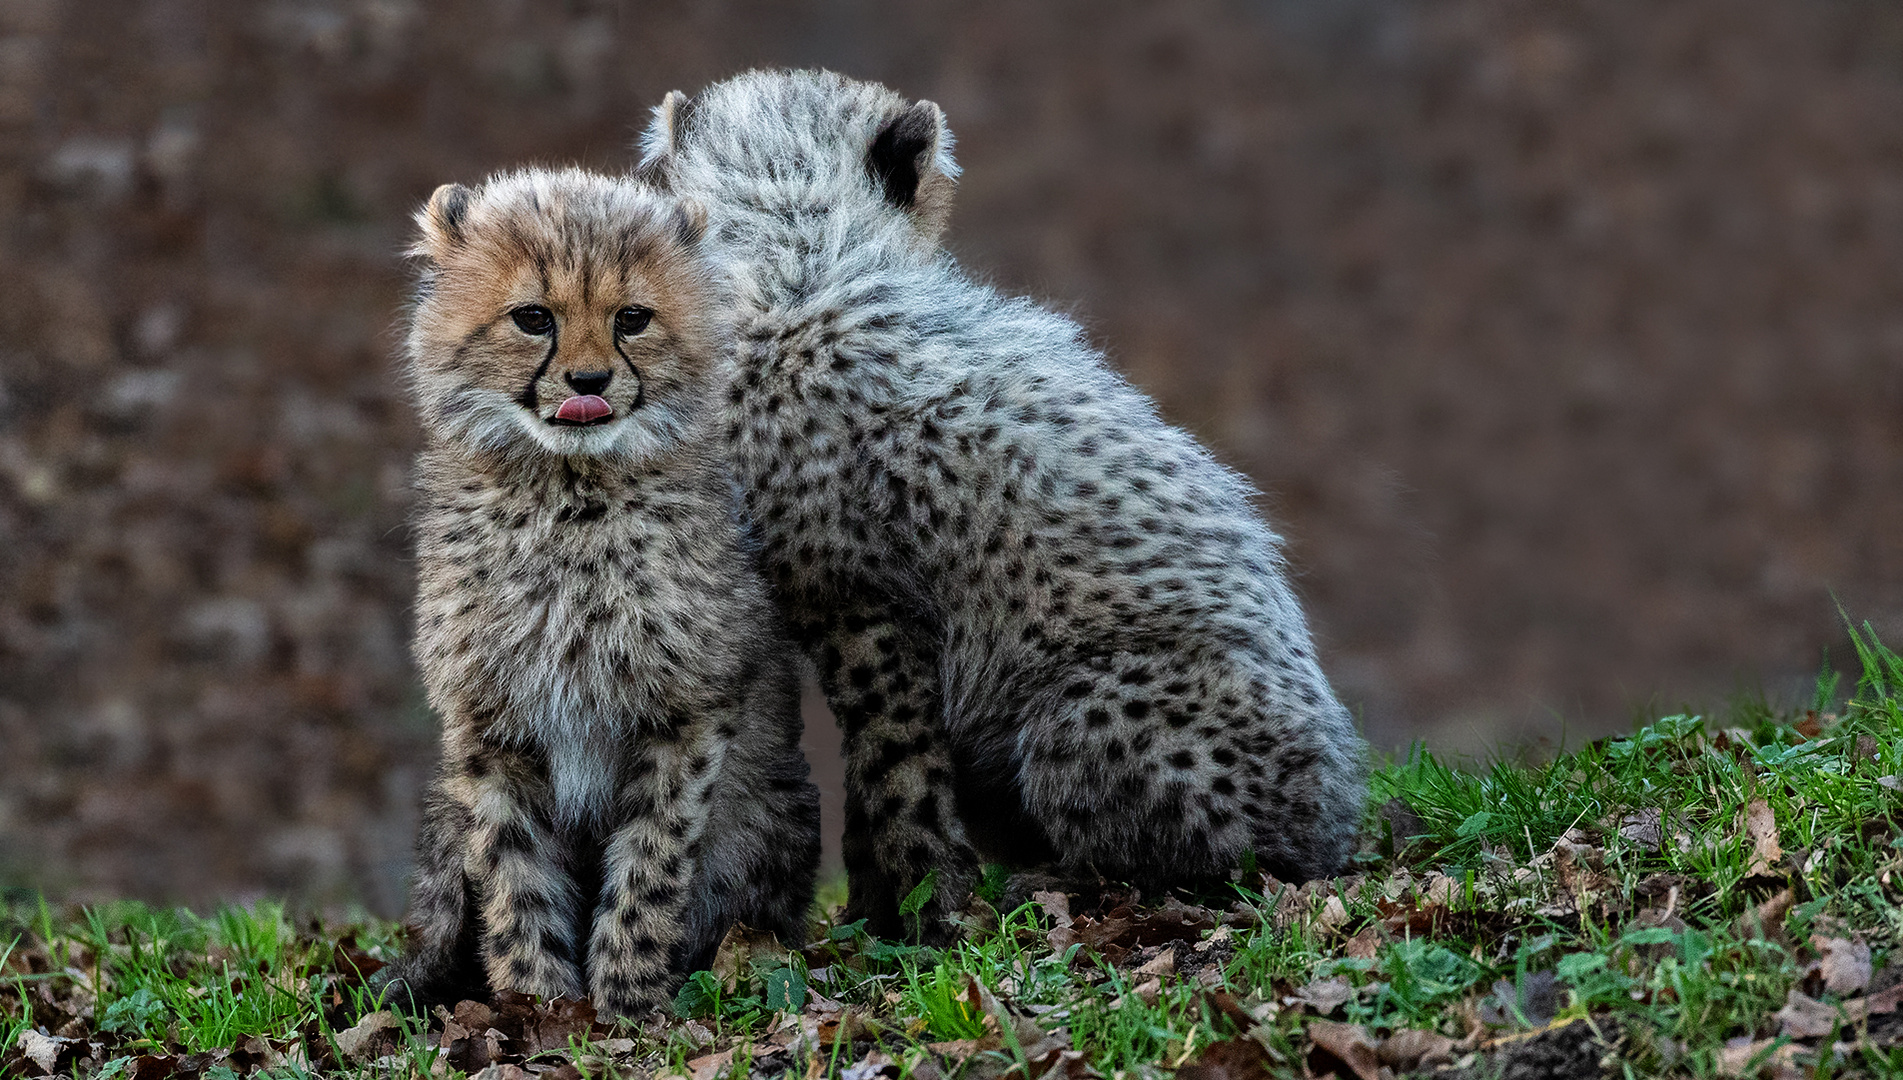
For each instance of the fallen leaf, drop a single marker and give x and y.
(1325, 995)
(1406, 1050)
(1223, 934)
(1055, 904)
(1057, 1063)
(1762, 1058)
(560, 1022)
(1163, 963)
(1579, 868)
(1844, 964)
(1644, 829)
(45, 1050)
(739, 949)
(1887, 1001)
(708, 1066)
(249, 1053)
(1230, 1059)
(1223, 1003)
(1366, 944)
(1333, 915)
(504, 1072)
(463, 1048)
(1804, 1017)
(152, 1067)
(371, 1037)
(1766, 919)
(960, 1049)
(1339, 1046)
(1440, 890)
(1761, 825)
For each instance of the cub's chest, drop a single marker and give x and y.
(592, 589)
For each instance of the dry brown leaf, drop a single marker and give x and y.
(371, 1037)
(1365, 945)
(1439, 889)
(1804, 1017)
(1887, 1001)
(1343, 1045)
(708, 1066)
(46, 1050)
(504, 1072)
(1057, 1063)
(1223, 933)
(1645, 829)
(1761, 1058)
(1766, 920)
(874, 1066)
(1406, 1050)
(1055, 904)
(1230, 1059)
(1761, 825)
(733, 961)
(1579, 869)
(1333, 915)
(1324, 995)
(1163, 963)
(1844, 964)
(557, 1023)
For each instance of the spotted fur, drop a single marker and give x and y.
(621, 776)
(1053, 628)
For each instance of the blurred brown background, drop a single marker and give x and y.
(1563, 337)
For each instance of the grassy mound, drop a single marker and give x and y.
(1702, 898)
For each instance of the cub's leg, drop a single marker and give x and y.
(440, 964)
(517, 861)
(758, 859)
(647, 865)
(881, 677)
(1159, 768)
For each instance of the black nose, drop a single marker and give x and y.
(589, 382)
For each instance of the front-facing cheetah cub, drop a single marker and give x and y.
(621, 776)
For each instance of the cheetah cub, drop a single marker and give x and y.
(621, 777)
(1054, 630)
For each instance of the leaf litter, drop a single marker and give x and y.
(1526, 920)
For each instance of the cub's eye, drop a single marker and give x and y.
(630, 321)
(533, 319)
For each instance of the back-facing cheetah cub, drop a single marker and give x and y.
(621, 775)
(1051, 625)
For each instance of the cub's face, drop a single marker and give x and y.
(564, 313)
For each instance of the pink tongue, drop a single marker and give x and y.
(582, 408)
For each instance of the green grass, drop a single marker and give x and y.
(1612, 884)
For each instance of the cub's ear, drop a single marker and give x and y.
(663, 134)
(910, 161)
(441, 220)
(690, 221)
